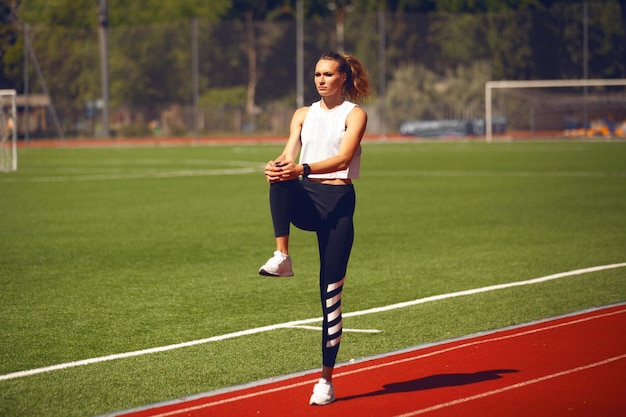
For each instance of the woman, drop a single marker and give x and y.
(327, 135)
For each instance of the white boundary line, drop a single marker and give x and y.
(22, 374)
(484, 289)
(139, 175)
(343, 330)
(515, 174)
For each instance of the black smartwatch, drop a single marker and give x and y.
(306, 170)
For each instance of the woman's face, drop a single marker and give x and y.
(328, 80)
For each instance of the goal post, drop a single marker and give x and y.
(490, 86)
(8, 131)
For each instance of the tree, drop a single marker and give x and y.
(249, 46)
(411, 94)
(257, 40)
(141, 50)
(133, 12)
(9, 30)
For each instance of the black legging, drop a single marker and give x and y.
(328, 210)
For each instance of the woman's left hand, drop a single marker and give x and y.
(276, 171)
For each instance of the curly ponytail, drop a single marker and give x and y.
(356, 86)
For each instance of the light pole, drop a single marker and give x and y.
(104, 65)
(340, 7)
(300, 53)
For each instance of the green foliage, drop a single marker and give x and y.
(410, 94)
(135, 130)
(235, 96)
(136, 66)
(532, 45)
(416, 92)
(607, 40)
(9, 36)
(464, 87)
(59, 13)
(78, 82)
(67, 14)
(146, 12)
(150, 51)
(461, 37)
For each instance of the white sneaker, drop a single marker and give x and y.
(278, 265)
(323, 393)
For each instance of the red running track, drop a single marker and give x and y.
(569, 366)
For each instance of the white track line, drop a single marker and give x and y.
(484, 289)
(512, 387)
(515, 174)
(343, 330)
(256, 330)
(140, 175)
(232, 399)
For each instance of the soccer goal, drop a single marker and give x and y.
(8, 130)
(565, 108)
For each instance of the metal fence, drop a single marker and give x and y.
(204, 78)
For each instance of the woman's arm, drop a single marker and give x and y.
(281, 168)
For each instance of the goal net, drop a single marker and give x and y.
(8, 130)
(556, 108)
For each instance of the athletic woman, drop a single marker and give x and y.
(317, 194)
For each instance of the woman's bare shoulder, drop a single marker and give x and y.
(300, 114)
(357, 113)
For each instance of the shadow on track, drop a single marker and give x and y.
(433, 382)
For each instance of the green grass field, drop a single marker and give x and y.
(113, 250)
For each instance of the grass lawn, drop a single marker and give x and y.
(114, 250)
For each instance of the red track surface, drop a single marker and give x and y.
(570, 366)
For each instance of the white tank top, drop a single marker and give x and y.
(321, 136)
